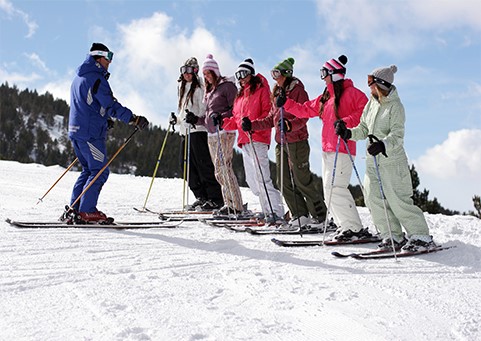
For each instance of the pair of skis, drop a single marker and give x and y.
(115, 225)
(375, 254)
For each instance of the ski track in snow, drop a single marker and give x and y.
(197, 282)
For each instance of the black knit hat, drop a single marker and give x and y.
(99, 47)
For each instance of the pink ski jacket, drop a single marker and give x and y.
(350, 110)
(254, 105)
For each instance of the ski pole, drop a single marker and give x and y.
(70, 208)
(291, 174)
(260, 172)
(383, 197)
(357, 174)
(157, 164)
(332, 187)
(188, 164)
(61, 176)
(184, 161)
(283, 135)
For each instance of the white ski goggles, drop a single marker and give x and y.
(109, 55)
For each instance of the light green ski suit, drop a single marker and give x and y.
(386, 120)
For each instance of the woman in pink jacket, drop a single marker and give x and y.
(253, 101)
(340, 100)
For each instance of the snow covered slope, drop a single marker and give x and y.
(197, 282)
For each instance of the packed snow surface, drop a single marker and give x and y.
(197, 282)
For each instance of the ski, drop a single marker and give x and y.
(118, 225)
(280, 229)
(147, 210)
(175, 217)
(300, 243)
(381, 254)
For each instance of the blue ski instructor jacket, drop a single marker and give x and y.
(92, 103)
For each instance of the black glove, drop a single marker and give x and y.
(281, 98)
(191, 118)
(173, 119)
(246, 124)
(341, 130)
(139, 121)
(287, 125)
(217, 119)
(110, 123)
(376, 148)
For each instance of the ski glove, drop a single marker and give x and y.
(287, 125)
(110, 123)
(173, 119)
(139, 122)
(376, 148)
(246, 124)
(281, 98)
(217, 119)
(191, 118)
(341, 130)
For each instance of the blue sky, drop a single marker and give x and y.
(436, 45)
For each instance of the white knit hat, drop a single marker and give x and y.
(211, 64)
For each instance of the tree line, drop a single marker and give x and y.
(33, 128)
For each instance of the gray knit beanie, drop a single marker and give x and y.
(385, 76)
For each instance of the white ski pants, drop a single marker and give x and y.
(256, 181)
(341, 206)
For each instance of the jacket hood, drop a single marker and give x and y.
(90, 65)
(393, 96)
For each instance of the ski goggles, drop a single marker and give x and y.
(373, 80)
(109, 55)
(241, 74)
(326, 72)
(276, 73)
(188, 69)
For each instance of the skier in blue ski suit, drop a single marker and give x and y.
(92, 104)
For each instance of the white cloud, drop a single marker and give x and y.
(458, 156)
(396, 26)
(8, 8)
(451, 170)
(60, 88)
(146, 66)
(35, 59)
(21, 80)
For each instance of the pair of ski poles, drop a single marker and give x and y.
(381, 189)
(70, 207)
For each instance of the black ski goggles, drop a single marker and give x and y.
(241, 74)
(188, 69)
(373, 80)
(326, 72)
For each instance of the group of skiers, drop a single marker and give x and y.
(211, 113)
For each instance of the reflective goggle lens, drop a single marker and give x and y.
(109, 55)
(275, 73)
(242, 74)
(187, 69)
(324, 73)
